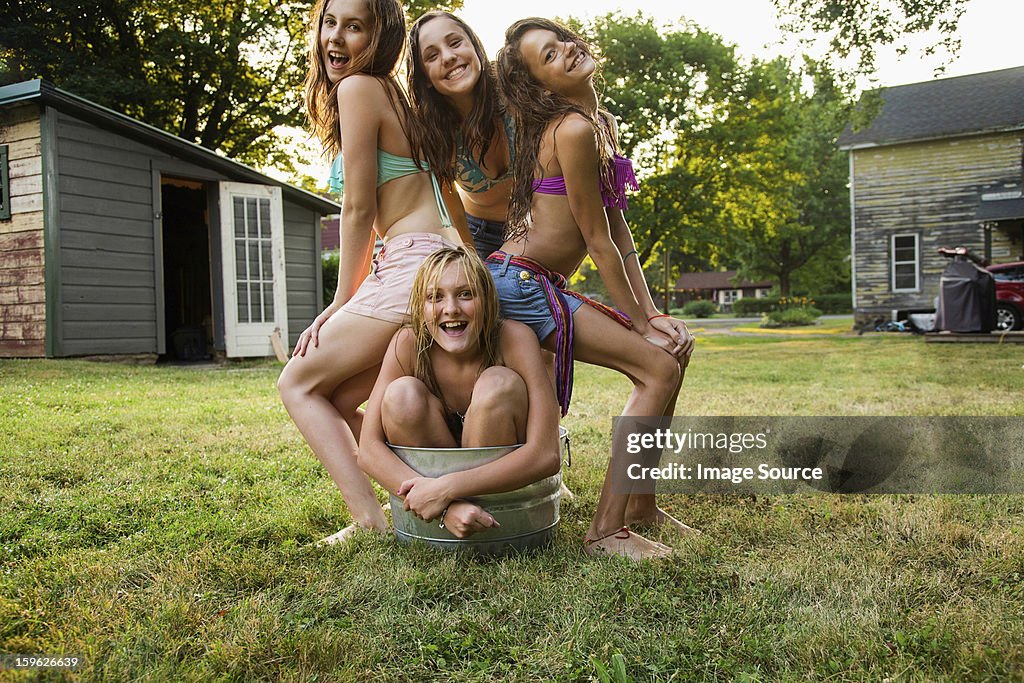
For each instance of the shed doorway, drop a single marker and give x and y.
(188, 300)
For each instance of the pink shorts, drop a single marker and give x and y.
(384, 294)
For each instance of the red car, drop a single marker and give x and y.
(1009, 295)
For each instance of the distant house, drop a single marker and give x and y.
(119, 238)
(717, 286)
(941, 165)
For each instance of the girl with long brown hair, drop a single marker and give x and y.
(464, 135)
(567, 201)
(358, 110)
(459, 376)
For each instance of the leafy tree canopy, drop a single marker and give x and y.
(857, 29)
(223, 74)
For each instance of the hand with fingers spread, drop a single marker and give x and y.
(311, 335)
(425, 497)
(464, 519)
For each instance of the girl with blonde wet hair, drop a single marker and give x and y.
(459, 376)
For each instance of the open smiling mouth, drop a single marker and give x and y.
(455, 73)
(576, 60)
(454, 328)
(337, 59)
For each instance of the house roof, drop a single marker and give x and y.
(949, 107)
(721, 279)
(89, 111)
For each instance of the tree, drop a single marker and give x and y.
(857, 29)
(786, 202)
(660, 83)
(225, 74)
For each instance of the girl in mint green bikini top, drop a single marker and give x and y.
(391, 167)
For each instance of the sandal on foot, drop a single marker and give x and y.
(615, 534)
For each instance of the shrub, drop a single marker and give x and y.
(834, 303)
(749, 306)
(791, 317)
(329, 263)
(700, 309)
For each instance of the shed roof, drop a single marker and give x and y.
(89, 111)
(948, 107)
(720, 279)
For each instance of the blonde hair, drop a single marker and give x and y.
(380, 59)
(487, 317)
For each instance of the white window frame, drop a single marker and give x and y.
(893, 263)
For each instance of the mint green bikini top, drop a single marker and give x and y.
(391, 167)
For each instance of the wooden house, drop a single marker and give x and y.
(117, 238)
(721, 287)
(940, 165)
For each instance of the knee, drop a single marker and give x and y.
(661, 370)
(406, 397)
(498, 388)
(287, 386)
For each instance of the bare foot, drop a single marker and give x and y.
(565, 493)
(662, 520)
(626, 543)
(340, 538)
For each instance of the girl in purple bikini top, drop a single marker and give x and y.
(621, 178)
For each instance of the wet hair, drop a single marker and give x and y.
(380, 59)
(488, 320)
(437, 121)
(533, 108)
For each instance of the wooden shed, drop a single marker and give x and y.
(119, 238)
(940, 165)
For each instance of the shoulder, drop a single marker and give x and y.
(403, 344)
(360, 88)
(574, 127)
(515, 337)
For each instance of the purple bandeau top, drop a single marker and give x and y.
(623, 178)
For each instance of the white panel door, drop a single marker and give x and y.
(252, 252)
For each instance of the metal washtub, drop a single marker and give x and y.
(528, 516)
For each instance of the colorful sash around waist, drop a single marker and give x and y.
(555, 290)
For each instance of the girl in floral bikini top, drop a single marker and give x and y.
(463, 135)
(567, 201)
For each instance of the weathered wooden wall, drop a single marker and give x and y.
(931, 189)
(22, 255)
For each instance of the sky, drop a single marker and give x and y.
(986, 30)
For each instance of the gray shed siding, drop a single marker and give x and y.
(931, 189)
(107, 256)
(302, 268)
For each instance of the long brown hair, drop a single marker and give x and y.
(380, 59)
(437, 121)
(488, 318)
(533, 108)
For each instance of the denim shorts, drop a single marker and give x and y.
(488, 236)
(521, 298)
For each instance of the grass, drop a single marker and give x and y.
(157, 523)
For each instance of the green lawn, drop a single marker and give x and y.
(157, 522)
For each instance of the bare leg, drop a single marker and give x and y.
(655, 376)
(412, 416)
(642, 509)
(349, 396)
(308, 384)
(497, 410)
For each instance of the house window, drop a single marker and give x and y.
(905, 263)
(5, 186)
(730, 295)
